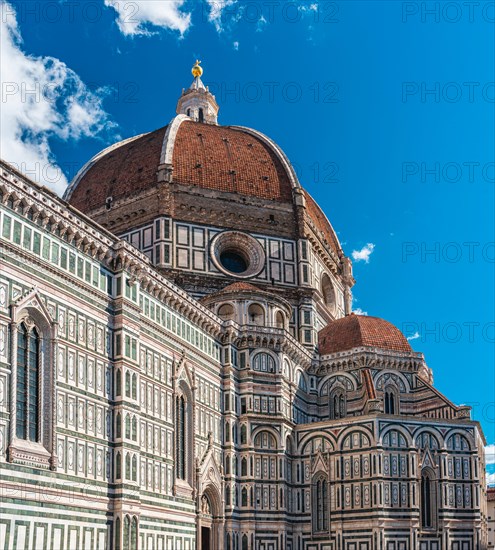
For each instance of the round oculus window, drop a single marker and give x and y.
(237, 254)
(233, 261)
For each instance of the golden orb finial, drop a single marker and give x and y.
(197, 70)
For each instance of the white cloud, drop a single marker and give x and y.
(136, 17)
(236, 45)
(41, 99)
(415, 336)
(262, 22)
(217, 9)
(359, 311)
(143, 17)
(490, 454)
(363, 254)
(490, 479)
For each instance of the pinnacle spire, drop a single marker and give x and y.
(197, 102)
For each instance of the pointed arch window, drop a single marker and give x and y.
(338, 404)
(390, 401)
(118, 466)
(128, 384)
(128, 426)
(117, 534)
(320, 504)
(134, 533)
(181, 438)
(428, 499)
(134, 468)
(134, 386)
(118, 426)
(134, 428)
(28, 384)
(118, 382)
(127, 528)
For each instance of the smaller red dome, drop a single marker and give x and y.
(354, 331)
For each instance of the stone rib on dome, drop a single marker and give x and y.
(227, 159)
(321, 223)
(204, 155)
(355, 331)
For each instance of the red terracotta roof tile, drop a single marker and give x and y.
(224, 159)
(204, 155)
(355, 331)
(127, 170)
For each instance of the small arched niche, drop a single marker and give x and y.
(256, 315)
(328, 292)
(279, 319)
(226, 312)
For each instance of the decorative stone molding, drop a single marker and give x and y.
(245, 246)
(31, 310)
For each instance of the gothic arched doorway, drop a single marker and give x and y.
(210, 521)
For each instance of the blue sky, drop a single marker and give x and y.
(385, 108)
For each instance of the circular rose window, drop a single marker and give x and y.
(237, 254)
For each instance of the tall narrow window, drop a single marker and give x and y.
(127, 528)
(201, 116)
(134, 533)
(118, 466)
(181, 438)
(243, 434)
(28, 356)
(320, 504)
(428, 500)
(324, 495)
(128, 384)
(134, 386)
(338, 404)
(118, 383)
(117, 534)
(391, 401)
(134, 429)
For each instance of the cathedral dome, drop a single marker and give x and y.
(219, 158)
(229, 167)
(354, 331)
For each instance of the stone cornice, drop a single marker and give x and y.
(93, 240)
(362, 357)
